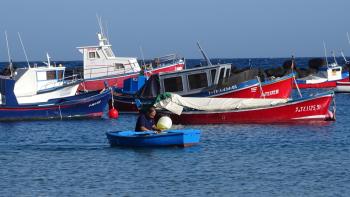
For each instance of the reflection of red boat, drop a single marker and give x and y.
(101, 65)
(306, 109)
(209, 81)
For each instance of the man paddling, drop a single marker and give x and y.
(145, 122)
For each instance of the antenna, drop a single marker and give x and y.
(325, 52)
(9, 54)
(335, 60)
(204, 54)
(25, 54)
(143, 58)
(99, 20)
(342, 54)
(347, 34)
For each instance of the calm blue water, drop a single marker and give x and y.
(73, 158)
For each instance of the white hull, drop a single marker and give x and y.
(44, 97)
(342, 87)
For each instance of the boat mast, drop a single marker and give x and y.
(143, 58)
(325, 52)
(204, 54)
(335, 60)
(9, 55)
(25, 54)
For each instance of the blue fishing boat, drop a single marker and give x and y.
(84, 105)
(183, 138)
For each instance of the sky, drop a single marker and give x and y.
(225, 28)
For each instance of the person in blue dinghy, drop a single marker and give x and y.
(145, 121)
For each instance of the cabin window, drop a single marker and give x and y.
(51, 75)
(221, 76)
(119, 66)
(173, 84)
(213, 73)
(336, 69)
(60, 74)
(93, 55)
(198, 80)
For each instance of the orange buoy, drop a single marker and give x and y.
(113, 113)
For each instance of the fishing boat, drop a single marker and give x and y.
(36, 84)
(208, 81)
(326, 77)
(100, 64)
(85, 105)
(186, 110)
(183, 138)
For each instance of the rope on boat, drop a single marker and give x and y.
(295, 81)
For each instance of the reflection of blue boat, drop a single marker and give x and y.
(84, 105)
(184, 138)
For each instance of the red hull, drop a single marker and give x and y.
(303, 110)
(117, 81)
(327, 84)
(280, 88)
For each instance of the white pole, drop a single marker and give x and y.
(25, 54)
(335, 60)
(325, 52)
(9, 54)
(143, 58)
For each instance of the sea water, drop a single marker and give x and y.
(73, 158)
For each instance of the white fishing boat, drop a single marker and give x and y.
(102, 65)
(36, 84)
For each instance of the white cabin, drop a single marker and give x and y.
(100, 61)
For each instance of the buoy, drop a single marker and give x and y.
(113, 113)
(164, 123)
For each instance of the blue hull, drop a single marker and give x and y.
(182, 138)
(80, 106)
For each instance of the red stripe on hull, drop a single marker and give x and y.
(327, 84)
(313, 109)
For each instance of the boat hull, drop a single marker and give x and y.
(65, 91)
(118, 80)
(326, 84)
(302, 110)
(76, 107)
(181, 138)
(342, 87)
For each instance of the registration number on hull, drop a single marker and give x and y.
(308, 108)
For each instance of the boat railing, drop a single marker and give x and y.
(103, 70)
(165, 60)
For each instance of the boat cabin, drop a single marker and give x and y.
(34, 80)
(332, 72)
(194, 80)
(100, 61)
(185, 82)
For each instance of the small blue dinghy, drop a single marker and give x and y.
(183, 138)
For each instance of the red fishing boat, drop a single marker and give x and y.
(209, 81)
(314, 108)
(101, 65)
